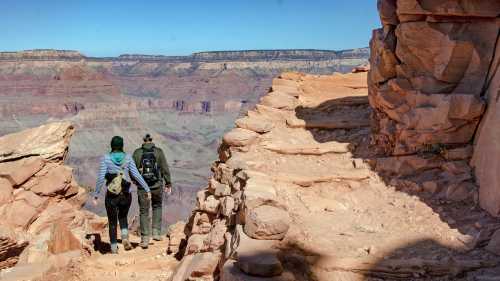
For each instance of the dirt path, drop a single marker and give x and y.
(152, 264)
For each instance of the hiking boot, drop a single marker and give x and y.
(114, 249)
(126, 245)
(157, 235)
(144, 242)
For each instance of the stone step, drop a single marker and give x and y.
(231, 272)
(257, 257)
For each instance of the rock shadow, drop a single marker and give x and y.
(347, 120)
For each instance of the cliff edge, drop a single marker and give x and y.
(43, 225)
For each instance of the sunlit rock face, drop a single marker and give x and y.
(186, 103)
(40, 201)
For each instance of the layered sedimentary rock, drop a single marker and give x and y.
(428, 69)
(40, 202)
(432, 65)
(300, 193)
(186, 102)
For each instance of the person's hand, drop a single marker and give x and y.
(168, 189)
(148, 194)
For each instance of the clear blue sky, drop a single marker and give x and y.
(113, 27)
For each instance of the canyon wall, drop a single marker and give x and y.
(433, 74)
(186, 102)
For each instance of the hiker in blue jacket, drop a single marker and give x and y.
(116, 171)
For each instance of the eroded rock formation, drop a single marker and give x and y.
(40, 202)
(434, 70)
(428, 69)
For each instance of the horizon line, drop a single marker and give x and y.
(193, 53)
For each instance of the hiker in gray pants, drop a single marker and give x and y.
(152, 164)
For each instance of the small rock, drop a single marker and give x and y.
(430, 187)
(457, 167)
(228, 206)
(458, 192)
(211, 205)
(494, 244)
(461, 153)
(222, 190)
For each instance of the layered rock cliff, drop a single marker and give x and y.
(434, 72)
(43, 225)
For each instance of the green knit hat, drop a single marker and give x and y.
(117, 143)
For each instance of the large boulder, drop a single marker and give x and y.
(48, 141)
(18, 172)
(20, 214)
(258, 125)
(31, 198)
(240, 137)
(280, 101)
(57, 180)
(267, 223)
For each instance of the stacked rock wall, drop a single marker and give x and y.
(434, 71)
(238, 220)
(40, 202)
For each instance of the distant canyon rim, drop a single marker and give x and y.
(186, 102)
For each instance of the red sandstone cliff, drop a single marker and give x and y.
(434, 70)
(43, 225)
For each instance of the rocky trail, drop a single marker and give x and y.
(301, 193)
(152, 264)
(306, 196)
(386, 173)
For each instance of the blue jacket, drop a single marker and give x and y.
(108, 165)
